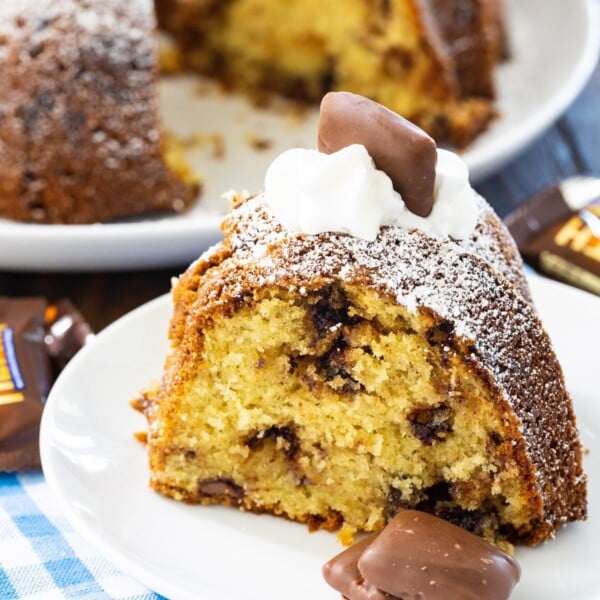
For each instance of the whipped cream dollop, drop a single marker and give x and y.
(312, 192)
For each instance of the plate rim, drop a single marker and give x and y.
(156, 582)
(130, 567)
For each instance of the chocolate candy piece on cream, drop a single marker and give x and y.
(399, 148)
(421, 556)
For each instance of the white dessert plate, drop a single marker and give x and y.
(99, 474)
(554, 47)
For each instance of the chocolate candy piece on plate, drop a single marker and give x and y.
(342, 574)
(420, 556)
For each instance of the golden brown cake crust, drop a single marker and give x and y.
(490, 323)
(79, 133)
(492, 242)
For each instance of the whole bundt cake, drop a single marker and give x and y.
(336, 376)
(80, 137)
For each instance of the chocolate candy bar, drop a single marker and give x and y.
(36, 342)
(558, 232)
(25, 381)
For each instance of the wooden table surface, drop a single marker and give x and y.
(570, 147)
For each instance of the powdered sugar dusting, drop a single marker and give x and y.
(255, 230)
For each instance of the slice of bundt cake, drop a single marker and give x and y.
(80, 138)
(429, 60)
(337, 378)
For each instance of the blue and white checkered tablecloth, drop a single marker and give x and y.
(43, 558)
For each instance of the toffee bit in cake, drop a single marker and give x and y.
(431, 424)
(293, 364)
(285, 436)
(441, 335)
(495, 438)
(334, 367)
(221, 488)
(425, 499)
(330, 522)
(386, 8)
(320, 450)
(440, 500)
(511, 533)
(328, 308)
(438, 492)
(396, 502)
(332, 363)
(471, 520)
(240, 300)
